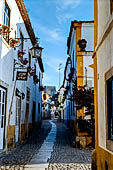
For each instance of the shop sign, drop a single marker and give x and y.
(21, 76)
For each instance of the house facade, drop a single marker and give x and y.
(103, 73)
(78, 75)
(20, 75)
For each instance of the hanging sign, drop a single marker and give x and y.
(21, 76)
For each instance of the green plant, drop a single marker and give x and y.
(5, 30)
(13, 42)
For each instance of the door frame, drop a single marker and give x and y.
(4, 131)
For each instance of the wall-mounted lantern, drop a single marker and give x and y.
(36, 51)
(82, 44)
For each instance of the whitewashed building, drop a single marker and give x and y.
(81, 61)
(103, 70)
(78, 74)
(20, 100)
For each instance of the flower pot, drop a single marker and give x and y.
(25, 61)
(20, 54)
(13, 42)
(12, 45)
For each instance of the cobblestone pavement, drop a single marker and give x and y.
(66, 157)
(17, 158)
(63, 157)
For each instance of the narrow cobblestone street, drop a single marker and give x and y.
(66, 157)
(19, 157)
(53, 137)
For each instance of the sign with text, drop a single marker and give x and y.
(21, 76)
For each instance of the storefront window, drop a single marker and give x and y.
(110, 108)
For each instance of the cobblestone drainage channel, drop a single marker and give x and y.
(39, 160)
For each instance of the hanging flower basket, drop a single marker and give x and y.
(21, 53)
(5, 30)
(13, 42)
(25, 61)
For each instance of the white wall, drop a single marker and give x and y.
(103, 16)
(7, 56)
(104, 63)
(87, 33)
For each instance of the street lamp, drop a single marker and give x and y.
(36, 51)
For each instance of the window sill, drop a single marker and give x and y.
(109, 145)
(5, 42)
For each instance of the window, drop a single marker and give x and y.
(28, 95)
(6, 19)
(38, 107)
(6, 15)
(2, 106)
(110, 108)
(111, 6)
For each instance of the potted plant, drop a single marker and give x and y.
(4, 29)
(21, 52)
(0, 29)
(25, 61)
(13, 42)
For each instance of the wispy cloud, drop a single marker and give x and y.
(63, 17)
(51, 34)
(53, 62)
(64, 4)
(64, 9)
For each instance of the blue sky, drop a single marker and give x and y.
(51, 21)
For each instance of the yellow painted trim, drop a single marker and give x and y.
(95, 71)
(92, 66)
(79, 63)
(11, 136)
(80, 58)
(104, 156)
